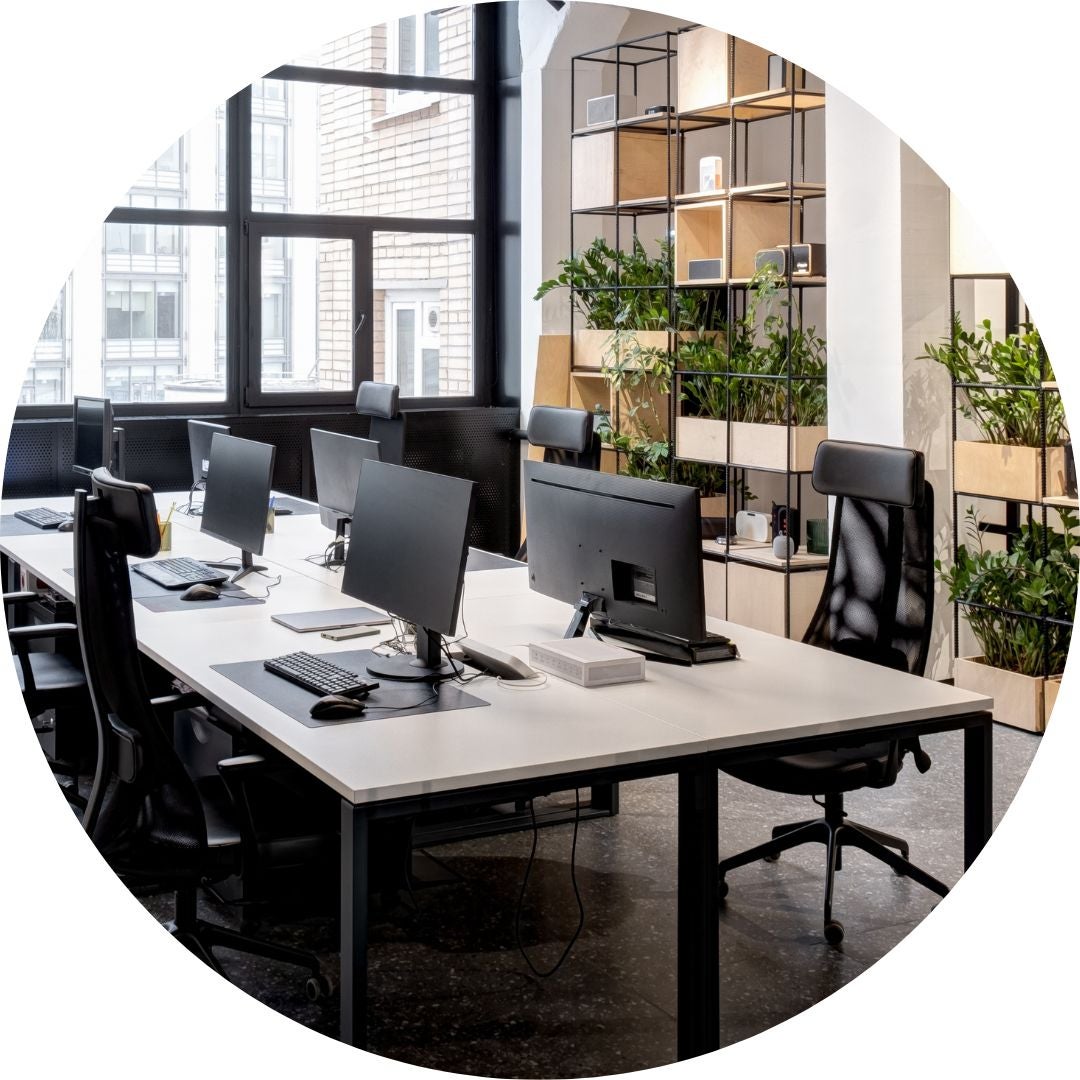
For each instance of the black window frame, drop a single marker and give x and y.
(243, 228)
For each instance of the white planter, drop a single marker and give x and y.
(1019, 700)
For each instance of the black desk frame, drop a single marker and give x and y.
(698, 935)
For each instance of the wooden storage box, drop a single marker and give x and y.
(644, 164)
(705, 73)
(1008, 472)
(755, 597)
(1019, 700)
(700, 233)
(1050, 696)
(753, 445)
(756, 226)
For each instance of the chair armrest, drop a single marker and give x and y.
(40, 631)
(20, 598)
(171, 703)
(241, 765)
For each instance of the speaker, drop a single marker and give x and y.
(806, 259)
(777, 256)
(783, 547)
(705, 269)
(604, 110)
(752, 525)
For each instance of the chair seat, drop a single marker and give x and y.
(821, 772)
(53, 674)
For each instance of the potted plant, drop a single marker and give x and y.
(1020, 605)
(742, 380)
(999, 392)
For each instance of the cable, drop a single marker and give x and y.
(573, 879)
(272, 585)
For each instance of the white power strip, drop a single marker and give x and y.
(587, 662)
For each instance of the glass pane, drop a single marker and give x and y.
(406, 46)
(423, 312)
(307, 314)
(451, 30)
(332, 149)
(138, 327)
(190, 173)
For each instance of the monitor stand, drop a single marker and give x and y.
(337, 556)
(428, 665)
(586, 605)
(247, 566)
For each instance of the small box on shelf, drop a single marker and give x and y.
(700, 237)
(647, 167)
(1008, 472)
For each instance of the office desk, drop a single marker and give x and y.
(780, 697)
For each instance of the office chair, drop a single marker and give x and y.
(147, 816)
(568, 437)
(877, 605)
(379, 401)
(53, 681)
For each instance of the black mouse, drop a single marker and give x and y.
(201, 592)
(336, 707)
(66, 526)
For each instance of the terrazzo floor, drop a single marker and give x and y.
(449, 990)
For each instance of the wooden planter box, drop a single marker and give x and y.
(1019, 700)
(646, 170)
(592, 348)
(760, 446)
(1008, 472)
(1050, 695)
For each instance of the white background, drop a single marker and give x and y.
(90, 93)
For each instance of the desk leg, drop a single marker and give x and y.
(698, 917)
(978, 787)
(354, 924)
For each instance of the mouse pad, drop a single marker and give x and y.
(156, 598)
(396, 699)
(10, 525)
(297, 506)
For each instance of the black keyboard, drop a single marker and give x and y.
(179, 573)
(318, 675)
(43, 517)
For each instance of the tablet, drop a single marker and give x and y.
(305, 622)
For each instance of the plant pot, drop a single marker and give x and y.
(1019, 700)
(1008, 472)
(593, 348)
(1050, 695)
(760, 446)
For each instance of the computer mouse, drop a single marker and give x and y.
(282, 511)
(201, 592)
(336, 707)
(66, 526)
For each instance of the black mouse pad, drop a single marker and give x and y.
(391, 699)
(155, 597)
(10, 525)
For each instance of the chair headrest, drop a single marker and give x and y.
(885, 474)
(377, 399)
(560, 429)
(131, 506)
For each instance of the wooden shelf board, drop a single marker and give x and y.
(658, 123)
(587, 373)
(780, 191)
(767, 103)
(798, 281)
(761, 555)
(1063, 501)
(691, 197)
(700, 283)
(1050, 384)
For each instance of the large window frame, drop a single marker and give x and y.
(244, 228)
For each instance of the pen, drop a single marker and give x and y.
(272, 497)
(168, 517)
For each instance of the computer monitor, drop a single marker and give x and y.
(238, 497)
(92, 418)
(628, 548)
(200, 435)
(411, 561)
(337, 459)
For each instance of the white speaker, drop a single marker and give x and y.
(752, 525)
(783, 547)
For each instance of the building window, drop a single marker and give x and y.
(413, 43)
(413, 344)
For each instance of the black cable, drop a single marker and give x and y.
(573, 879)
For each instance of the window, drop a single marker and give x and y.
(413, 49)
(413, 347)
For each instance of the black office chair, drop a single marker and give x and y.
(379, 401)
(877, 605)
(147, 816)
(53, 681)
(567, 436)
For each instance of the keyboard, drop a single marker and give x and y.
(318, 675)
(179, 573)
(42, 517)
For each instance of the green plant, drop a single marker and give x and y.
(1011, 416)
(743, 375)
(1035, 580)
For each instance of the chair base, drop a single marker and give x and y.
(202, 938)
(836, 832)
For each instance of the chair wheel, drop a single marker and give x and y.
(834, 932)
(317, 987)
(722, 889)
(771, 858)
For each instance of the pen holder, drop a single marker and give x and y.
(165, 530)
(270, 520)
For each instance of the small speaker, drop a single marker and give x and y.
(785, 522)
(705, 269)
(806, 259)
(783, 547)
(711, 174)
(605, 110)
(777, 256)
(752, 525)
(777, 72)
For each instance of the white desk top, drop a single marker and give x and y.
(779, 689)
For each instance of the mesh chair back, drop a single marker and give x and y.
(150, 820)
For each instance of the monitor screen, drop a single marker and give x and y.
(410, 561)
(338, 459)
(238, 491)
(200, 434)
(633, 545)
(93, 434)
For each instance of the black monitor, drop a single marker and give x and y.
(411, 562)
(627, 548)
(337, 460)
(238, 497)
(200, 434)
(92, 419)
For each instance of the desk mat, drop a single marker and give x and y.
(10, 525)
(396, 699)
(154, 597)
(488, 560)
